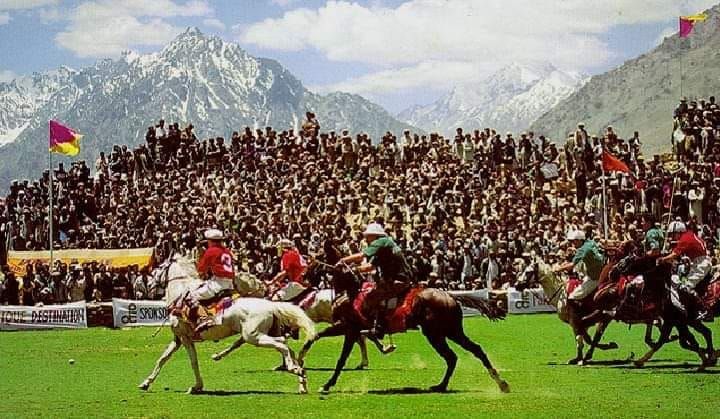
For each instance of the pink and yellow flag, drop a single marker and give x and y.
(687, 23)
(64, 140)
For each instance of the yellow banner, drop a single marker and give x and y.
(116, 258)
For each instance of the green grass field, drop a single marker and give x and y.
(36, 379)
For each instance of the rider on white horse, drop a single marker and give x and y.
(216, 267)
(292, 269)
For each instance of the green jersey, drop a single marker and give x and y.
(590, 254)
(386, 255)
(654, 239)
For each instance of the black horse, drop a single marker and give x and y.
(437, 313)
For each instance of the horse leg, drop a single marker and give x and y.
(336, 329)
(364, 362)
(440, 345)
(665, 330)
(599, 331)
(171, 348)
(472, 347)
(350, 339)
(192, 353)
(222, 354)
(711, 356)
(265, 341)
(579, 332)
(648, 335)
(384, 349)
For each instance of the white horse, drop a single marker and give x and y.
(256, 320)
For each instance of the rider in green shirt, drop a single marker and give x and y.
(386, 257)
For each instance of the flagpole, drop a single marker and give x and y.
(604, 194)
(51, 211)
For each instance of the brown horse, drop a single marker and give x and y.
(570, 312)
(436, 312)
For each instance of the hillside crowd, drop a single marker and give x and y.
(471, 211)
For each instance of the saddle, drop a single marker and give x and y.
(396, 319)
(305, 299)
(214, 306)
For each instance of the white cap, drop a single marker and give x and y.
(575, 235)
(677, 227)
(374, 229)
(214, 234)
(284, 243)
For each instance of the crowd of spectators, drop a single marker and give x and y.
(472, 211)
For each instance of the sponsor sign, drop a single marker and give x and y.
(529, 301)
(67, 316)
(138, 313)
(116, 258)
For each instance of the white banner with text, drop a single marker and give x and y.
(138, 312)
(528, 301)
(66, 316)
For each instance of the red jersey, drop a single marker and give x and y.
(217, 261)
(690, 245)
(293, 264)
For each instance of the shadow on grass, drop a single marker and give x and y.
(225, 393)
(410, 390)
(676, 368)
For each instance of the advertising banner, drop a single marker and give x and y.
(138, 312)
(67, 316)
(116, 258)
(529, 301)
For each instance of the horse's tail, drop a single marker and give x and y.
(292, 316)
(488, 309)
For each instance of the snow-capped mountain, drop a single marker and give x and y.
(198, 79)
(509, 100)
(23, 97)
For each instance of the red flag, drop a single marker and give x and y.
(613, 164)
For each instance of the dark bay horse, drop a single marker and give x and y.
(437, 313)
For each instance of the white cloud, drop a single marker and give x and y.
(402, 41)
(50, 15)
(435, 75)
(7, 76)
(105, 28)
(283, 3)
(15, 5)
(214, 23)
(25, 4)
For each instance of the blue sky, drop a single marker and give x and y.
(398, 53)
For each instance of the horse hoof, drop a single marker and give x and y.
(613, 345)
(389, 349)
(144, 386)
(639, 364)
(324, 390)
(504, 386)
(281, 368)
(194, 390)
(582, 362)
(438, 389)
(361, 367)
(216, 357)
(574, 361)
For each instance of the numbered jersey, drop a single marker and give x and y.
(217, 261)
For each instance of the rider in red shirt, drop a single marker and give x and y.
(692, 246)
(216, 268)
(292, 268)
